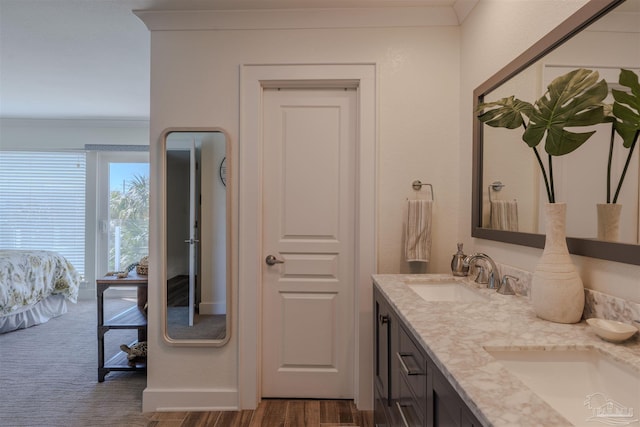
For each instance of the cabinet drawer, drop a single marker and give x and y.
(410, 412)
(380, 411)
(412, 366)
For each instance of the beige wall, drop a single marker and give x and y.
(495, 33)
(195, 82)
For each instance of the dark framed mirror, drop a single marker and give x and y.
(197, 270)
(610, 30)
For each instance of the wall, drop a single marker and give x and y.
(195, 82)
(41, 134)
(493, 34)
(74, 134)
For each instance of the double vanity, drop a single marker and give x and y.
(450, 352)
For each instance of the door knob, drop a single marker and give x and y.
(272, 260)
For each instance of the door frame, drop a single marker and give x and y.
(253, 79)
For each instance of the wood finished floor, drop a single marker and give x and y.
(272, 413)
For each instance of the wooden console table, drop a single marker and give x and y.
(131, 318)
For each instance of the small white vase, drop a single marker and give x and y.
(609, 221)
(557, 292)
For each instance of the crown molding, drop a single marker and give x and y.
(175, 20)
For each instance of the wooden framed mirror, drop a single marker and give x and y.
(602, 26)
(197, 278)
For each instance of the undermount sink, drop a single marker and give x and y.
(445, 291)
(585, 386)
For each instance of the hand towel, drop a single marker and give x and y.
(418, 230)
(504, 215)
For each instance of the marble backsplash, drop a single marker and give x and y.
(597, 304)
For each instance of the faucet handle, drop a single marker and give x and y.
(482, 277)
(505, 287)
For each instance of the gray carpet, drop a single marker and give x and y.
(48, 375)
(206, 327)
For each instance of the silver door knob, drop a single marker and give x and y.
(272, 260)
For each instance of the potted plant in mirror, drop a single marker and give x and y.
(571, 100)
(625, 121)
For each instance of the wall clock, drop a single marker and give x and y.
(223, 171)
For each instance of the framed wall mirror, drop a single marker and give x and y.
(197, 200)
(604, 35)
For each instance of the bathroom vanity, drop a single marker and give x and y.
(447, 359)
(410, 390)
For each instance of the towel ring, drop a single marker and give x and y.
(417, 186)
(495, 186)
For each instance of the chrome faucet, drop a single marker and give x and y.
(494, 275)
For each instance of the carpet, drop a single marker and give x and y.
(205, 327)
(48, 375)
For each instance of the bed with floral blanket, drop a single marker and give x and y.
(34, 287)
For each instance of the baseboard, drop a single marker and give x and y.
(165, 400)
(209, 308)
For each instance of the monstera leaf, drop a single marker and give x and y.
(504, 113)
(626, 122)
(627, 108)
(572, 100)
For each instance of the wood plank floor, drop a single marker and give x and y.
(273, 413)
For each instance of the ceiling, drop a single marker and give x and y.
(90, 58)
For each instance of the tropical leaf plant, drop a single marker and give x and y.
(625, 118)
(571, 100)
(130, 210)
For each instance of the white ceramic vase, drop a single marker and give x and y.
(557, 292)
(609, 221)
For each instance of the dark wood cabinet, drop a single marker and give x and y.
(382, 370)
(131, 318)
(448, 408)
(410, 390)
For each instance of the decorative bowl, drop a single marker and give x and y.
(612, 330)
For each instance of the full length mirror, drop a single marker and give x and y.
(197, 237)
(508, 190)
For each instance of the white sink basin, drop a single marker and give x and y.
(445, 291)
(585, 386)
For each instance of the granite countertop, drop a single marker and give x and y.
(455, 335)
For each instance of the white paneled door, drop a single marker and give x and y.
(309, 212)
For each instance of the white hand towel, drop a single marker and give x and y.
(418, 230)
(504, 215)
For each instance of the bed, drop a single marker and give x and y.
(35, 286)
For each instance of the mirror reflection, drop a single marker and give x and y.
(196, 236)
(513, 192)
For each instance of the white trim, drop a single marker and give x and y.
(278, 19)
(165, 400)
(252, 80)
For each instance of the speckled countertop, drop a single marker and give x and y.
(455, 335)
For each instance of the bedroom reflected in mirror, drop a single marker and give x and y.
(197, 237)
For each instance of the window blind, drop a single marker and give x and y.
(42, 202)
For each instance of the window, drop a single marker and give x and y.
(128, 239)
(42, 203)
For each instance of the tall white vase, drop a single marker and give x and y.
(557, 292)
(609, 221)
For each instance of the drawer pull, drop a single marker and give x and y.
(404, 418)
(406, 370)
(384, 318)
